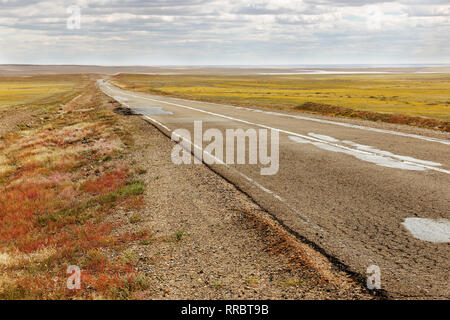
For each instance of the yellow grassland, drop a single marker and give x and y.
(422, 95)
(48, 89)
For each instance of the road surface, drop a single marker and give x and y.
(363, 195)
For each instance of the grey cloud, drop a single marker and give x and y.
(219, 30)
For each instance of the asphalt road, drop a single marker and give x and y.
(364, 195)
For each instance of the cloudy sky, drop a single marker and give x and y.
(226, 32)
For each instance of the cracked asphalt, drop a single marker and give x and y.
(345, 186)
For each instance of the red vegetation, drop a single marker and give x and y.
(106, 183)
(56, 204)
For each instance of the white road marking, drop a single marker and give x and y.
(323, 137)
(120, 98)
(436, 231)
(371, 154)
(390, 154)
(157, 122)
(380, 160)
(336, 123)
(324, 144)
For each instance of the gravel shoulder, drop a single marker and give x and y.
(210, 241)
(10, 120)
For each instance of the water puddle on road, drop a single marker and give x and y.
(431, 230)
(147, 111)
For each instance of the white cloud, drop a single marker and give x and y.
(224, 31)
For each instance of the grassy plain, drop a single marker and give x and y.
(34, 91)
(62, 178)
(413, 95)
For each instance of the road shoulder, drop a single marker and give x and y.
(212, 242)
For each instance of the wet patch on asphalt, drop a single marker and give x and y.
(147, 111)
(124, 111)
